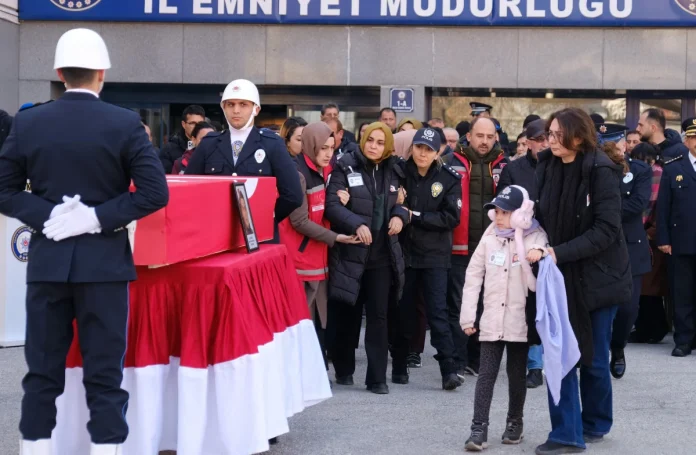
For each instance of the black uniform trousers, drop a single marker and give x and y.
(626, 316)
(344, 327)
(467, 348)
(433, 283)
(683, 282)
(101, 311)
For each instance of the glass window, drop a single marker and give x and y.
(511, 111)
(671, 109)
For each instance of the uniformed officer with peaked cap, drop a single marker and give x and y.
(676, 236)
(80, 260)
(636, 188)
(480, 109)
(244, 150)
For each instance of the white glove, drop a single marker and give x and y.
(68, 204)
(80, 220)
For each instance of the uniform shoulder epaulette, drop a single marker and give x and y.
(452, 171)
(24, 109)
(269, 134)
(672, 160)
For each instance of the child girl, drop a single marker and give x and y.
(509, 245)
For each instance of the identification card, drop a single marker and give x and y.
(498, 258)
(355, 179)
(515, 260)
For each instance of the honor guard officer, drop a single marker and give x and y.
(80, 261)
(676, 236)
(244, 150)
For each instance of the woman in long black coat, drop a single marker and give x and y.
(580, 209)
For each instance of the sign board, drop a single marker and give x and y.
(518, 13)
(401, 99)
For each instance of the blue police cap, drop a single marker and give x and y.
(611, 132)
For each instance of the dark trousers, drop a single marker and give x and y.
(346, 319)
(626, 316)
(455, 285)
(467, 348)
(101, 311)
(420, 322)
(651, 324)
(683, 284)
(491, 356)
(569, 420)
(433, 283)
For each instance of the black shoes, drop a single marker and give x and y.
(345, 380)
(681, 350)
(478, 439)
(534, 378)
(554, 448)
(380, 388)
(513, 431)
(414, 360)
(450, 381)
(591, 438)
(461, 371)
(400, 376)
(617, 366)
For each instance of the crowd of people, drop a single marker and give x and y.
(412, 226)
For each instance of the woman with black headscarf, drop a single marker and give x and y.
(580, 209)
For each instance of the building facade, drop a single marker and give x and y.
(167, 54)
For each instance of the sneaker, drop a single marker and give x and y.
(399, 375)
(450, 381)
(478, 439)
(472, 370)
(513, 431)
(534, 378)
(414, 360)
(461, 371)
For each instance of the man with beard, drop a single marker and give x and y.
(480, 166)
(652, 128)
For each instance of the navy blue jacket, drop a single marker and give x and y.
(80, 145)
(213, 156)
(636, 188)
(672, 146)
(676, 206)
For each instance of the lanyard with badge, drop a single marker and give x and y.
(354, 178)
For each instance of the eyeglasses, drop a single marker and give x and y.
(557, 135)
(541, 138)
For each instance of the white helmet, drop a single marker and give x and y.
(241, 89)
(82, 48)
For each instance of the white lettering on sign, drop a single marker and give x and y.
(355, 8)
(448, 11)
(394, 7)
(148, 6)
(304, 7)
(561, 13)
(512, 6)
(166, 9)
(596, 11)
(265, 5)
(621, 14)
(228, 6)
(532, 11)
(198, 7)
(424, 12)
(282, 7)
(327, 8)
(477, 11)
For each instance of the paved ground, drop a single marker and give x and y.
(654, 411)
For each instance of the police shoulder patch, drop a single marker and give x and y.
(268, 134)
(452, 171)
(672, 160)
(35, 105)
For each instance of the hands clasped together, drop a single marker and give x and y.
(70, 219)
(363, 234)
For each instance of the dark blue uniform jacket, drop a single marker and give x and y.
(676, 206)
(635, 197)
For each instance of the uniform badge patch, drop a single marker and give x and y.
(260, 155)
(628, 177)
(680, 178)
(459, 204)
(20, 243)
(436, 189)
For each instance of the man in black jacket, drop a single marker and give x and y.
(182, 141)
(652, 128)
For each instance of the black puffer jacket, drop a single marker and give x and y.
(172, 151)
(347, 262)
(600, 246)
(436, 200)
(520, 172)
(672, 145)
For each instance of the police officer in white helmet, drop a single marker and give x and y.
(244, 150)
(80, 167)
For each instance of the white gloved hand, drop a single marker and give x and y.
(80, 220)
(68, 204)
